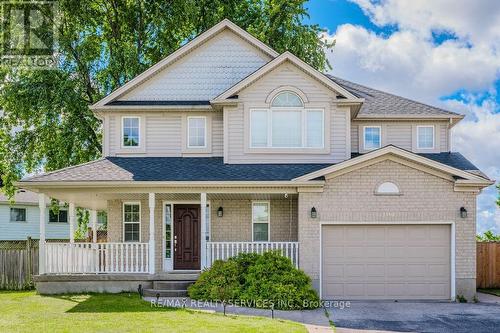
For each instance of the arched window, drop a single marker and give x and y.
(387, 188)
(287, 99)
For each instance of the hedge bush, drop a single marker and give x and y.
(258, 280)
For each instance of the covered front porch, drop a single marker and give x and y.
(166, 231)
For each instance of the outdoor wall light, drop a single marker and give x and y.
(220, 212)
(314, 213)
(463, 212)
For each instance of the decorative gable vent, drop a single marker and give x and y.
(388, 188)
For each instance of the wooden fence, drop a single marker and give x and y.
(18, 264)
(488, 265)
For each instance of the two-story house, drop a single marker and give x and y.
(226, 146)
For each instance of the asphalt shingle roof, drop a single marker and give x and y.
(380, 103)
(200, 169)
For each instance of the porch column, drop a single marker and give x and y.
(41, 246)
(203, 209)
(151, 233)
(71, 212)
(93, 220)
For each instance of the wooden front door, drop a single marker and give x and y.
(187, 228)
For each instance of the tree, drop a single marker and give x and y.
(488, 236)
(104, 43)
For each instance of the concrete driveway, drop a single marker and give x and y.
(417, 317)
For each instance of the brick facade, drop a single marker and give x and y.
(351, 198)
(347, 198)
(235, 225)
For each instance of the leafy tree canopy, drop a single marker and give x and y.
(488, 236)
(104, 43)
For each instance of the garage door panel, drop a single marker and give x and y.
(375, 270)
(354, 234)
(334, 289)
(393, 262)
(438, 270)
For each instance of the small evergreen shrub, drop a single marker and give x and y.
(258, 280)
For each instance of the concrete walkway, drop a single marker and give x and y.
(314, 320)
(488, 298)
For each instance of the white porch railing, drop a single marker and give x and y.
(225, 250)
(85, 258)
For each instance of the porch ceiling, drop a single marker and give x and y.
(98, 200)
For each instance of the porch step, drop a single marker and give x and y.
(177, 277)
(165, 293)
(172, 285)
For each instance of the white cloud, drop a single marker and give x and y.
(408, 62)
(411, 65)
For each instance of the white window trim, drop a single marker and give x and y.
(268, 220)
(138, 128)
(25, 215)
(206, 130)
(58, 222)
(433, 136)
(304, 112)
(123, 219)
(364, 137)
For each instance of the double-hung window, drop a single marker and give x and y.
(372, 137)
(425, 137)
(131, 222)
(18, 214)
(260, 221)
(59, 217)
(197, 132)
(130, 132)
(287, 124)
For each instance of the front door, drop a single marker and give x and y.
(187, 227)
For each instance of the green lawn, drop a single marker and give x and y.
(490, 291)
(29, 312)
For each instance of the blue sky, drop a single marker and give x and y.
(441, 52)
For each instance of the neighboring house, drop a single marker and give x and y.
(21, 219)
(226, 146)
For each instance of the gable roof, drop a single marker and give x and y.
(380, 104)
(286, 56)
(452, 169)
(224, 24)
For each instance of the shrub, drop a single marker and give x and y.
(258, 280)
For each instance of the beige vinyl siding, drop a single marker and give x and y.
(163, 133)
(354, 137)
(443, 132)
(217, 134)
(318, 97)
(400, 133)
(163, 137)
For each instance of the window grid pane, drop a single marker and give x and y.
(196, 132)
(168, 231)
(258, 124)
(130, 132)
(261, 232)
(287, 129)
(287, 98)
(315, 129)
(425, 137)
(372, 137)
(131, 220)
(18, 214)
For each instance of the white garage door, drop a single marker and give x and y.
(386, 262)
